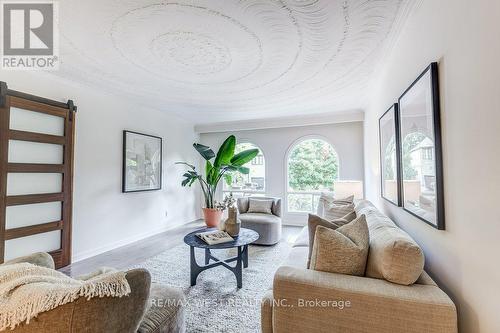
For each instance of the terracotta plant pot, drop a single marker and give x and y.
(212, 217)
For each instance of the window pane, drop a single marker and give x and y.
(46, 242)
(30, 121)
(312, 166)
(312, 169)
(255, 181)
(35, 152)
(300, 202)
(33, 183)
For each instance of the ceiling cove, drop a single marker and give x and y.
(221, 60)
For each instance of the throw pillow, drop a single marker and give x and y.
(260, 206)
(350, 217)
(344, 250)
(336, 211)
(327, 198)
(313, 222)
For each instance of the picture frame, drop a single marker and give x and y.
(390, 186)
(142, 162)
(422, 190)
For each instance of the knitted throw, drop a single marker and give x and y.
(27, 290)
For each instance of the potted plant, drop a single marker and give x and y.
(225, 164)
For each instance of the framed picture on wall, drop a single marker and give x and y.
(389, 156)
(142, 162)
(421, 152)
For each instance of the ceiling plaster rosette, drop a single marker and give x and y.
(228, 60)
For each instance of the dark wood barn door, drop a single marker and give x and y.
(36, 175)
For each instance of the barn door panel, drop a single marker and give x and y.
(36, 171)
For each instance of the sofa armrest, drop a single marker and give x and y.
(40, 259)
(277, 207)
(266, 313)
(106, 314)
(307, 300)
(114, 314)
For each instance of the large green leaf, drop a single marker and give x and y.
(211, 172)
(204, 151)
(208, 169)
(226, 152)
(244, 157)
(244, 170)
(228, 178)
(231, 168)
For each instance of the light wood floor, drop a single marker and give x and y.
(142, 250)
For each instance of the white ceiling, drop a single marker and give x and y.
(230, 60)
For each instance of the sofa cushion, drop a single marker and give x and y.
(393, 254)
(302, 239)
(343, 250)
(297, 257)
(260, 206)
(266, 225)
(258, 218)
(165, 312)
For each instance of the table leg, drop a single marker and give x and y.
(245, 256)
(241, 261)
(207, 256)
(238, 270)
(195, 271)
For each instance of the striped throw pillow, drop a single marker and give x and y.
(335, 211)
(327, 199)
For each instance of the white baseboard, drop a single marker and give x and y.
(129, 240)
(122, 242)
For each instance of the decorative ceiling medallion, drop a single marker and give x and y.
(231, 59)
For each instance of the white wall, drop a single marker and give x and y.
(346, 139)
(464, 37)
(105, 218)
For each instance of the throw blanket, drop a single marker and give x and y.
(27, 290)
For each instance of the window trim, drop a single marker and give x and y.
(287, 155)
(247, 141)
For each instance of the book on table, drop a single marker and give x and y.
(215, 237)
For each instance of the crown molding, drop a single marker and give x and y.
(269, 123)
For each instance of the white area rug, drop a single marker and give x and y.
(215, 304)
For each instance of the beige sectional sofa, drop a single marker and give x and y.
(304, 300)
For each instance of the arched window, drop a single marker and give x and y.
(312, 168)
(255, 182)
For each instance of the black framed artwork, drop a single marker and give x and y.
(389, 156)
(142, 162)
(421, 149)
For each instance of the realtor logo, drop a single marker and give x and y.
(30, 38)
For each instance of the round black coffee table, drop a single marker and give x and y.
(241, 242)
